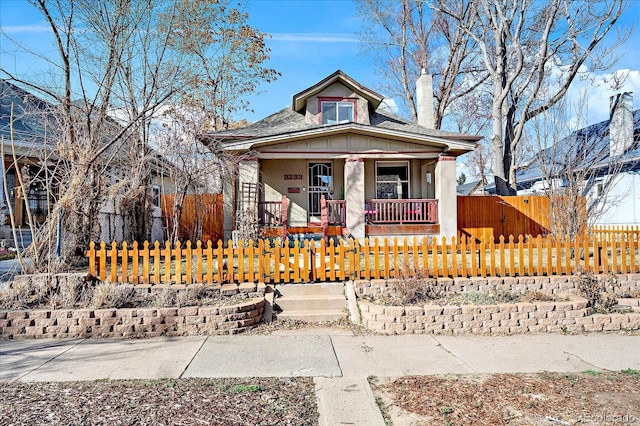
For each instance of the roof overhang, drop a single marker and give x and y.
(452, 146)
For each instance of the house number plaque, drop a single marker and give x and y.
(292, 176)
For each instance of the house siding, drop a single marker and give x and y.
(623, 202)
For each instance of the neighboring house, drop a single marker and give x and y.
(23, 126)
(27, 126)
(379, 174)
(471, 188)
(605, 155)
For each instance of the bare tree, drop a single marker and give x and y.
(577, 169)
(408, 36)
(118, 63)
(533, 51)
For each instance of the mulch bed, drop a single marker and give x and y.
(255, 401)
(592, 397)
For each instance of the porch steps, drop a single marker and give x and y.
(311, 302)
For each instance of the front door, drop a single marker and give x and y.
(320, 183)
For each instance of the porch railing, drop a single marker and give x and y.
(401, 211)
(270, 213)
(337, 212)
(376, 212)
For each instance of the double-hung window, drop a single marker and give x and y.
(392, 179)
(337, 112)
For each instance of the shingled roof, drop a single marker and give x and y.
(23, 112)
(287, 121)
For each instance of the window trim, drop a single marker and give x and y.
(398, 163)
(353, 101)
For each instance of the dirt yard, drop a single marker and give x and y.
(591, 397)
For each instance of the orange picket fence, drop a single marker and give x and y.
(312, 261)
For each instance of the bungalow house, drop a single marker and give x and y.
(27, 126)
(603, 158)
(337, 146)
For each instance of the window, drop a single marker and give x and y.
(155, 195)
(392, 179)
(337, 112)
(600, 187)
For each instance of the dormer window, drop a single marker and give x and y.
(337, 111)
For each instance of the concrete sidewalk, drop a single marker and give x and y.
(339, 361)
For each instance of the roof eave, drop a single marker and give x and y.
(455, 147)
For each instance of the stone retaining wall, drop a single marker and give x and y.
(561, 284)
(134, 322)
(568, 317)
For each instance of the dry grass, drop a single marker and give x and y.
(93, 294)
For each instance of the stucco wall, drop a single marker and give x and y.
(273, 173)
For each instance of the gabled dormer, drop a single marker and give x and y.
(337, 99)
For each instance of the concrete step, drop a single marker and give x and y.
(310, 289)
(307, 302)
(313, 316)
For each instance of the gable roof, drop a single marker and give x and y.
(290, 124)
(300, 99)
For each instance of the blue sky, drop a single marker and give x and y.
(310, 39)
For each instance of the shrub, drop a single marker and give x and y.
(411, 288)
(600, 292)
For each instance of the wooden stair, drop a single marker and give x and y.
(311, 302)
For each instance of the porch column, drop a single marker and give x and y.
(248, 171)
(445, 181)
(354, 195)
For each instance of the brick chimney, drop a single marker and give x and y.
(424, 99)
(621, 123)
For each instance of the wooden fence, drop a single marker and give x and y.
(313, 261)
(484, 217)
(202, 216)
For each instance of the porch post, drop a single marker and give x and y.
(248, 171)
(354, 195)
(445, 181)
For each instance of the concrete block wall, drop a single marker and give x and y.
(132, 322)
(571, 316)
(560, 284)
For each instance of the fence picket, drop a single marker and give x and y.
(156, 262)
(463, 255)
(135, 262)
(188, 254)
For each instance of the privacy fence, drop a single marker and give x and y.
(309, 261)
